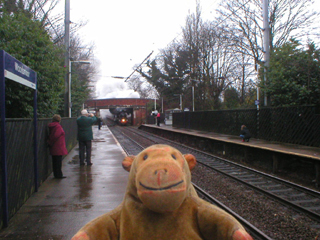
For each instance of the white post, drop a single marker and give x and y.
(258, 97)
(69, 91)
(193, 98)
(69, 83)
(162, 104)
(67, 55)
(266, 38)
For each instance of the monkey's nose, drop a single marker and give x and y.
(160, 171)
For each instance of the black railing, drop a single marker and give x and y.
(20, 158)
(297, 125)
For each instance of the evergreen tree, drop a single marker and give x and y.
(293, 75)
(231, 98)
(27, 41)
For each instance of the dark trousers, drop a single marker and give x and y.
(85, 147)
(56, 166)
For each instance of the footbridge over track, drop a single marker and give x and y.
(136, 108)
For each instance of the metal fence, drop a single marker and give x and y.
(297, 125)
(20, 158)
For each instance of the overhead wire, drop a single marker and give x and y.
(58, 36)
(214, 2)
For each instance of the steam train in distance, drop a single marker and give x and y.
(122, 119)
(121, 116)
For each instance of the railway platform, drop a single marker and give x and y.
(293, 149)
(62, 206)
(272, 157)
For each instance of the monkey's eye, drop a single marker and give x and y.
(145, 157)
(173, 156)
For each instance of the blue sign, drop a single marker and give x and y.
(13, 69)
(256, 102)
(18, 72)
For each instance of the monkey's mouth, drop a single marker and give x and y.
(161, 188)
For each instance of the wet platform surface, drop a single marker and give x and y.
(293, 149)
(62, 206)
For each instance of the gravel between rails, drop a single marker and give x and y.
(275, 220)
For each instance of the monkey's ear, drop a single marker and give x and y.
(127, 162)
(191, 160)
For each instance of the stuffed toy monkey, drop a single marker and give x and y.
(161, 203)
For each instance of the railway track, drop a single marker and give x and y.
(126, 138)
(302, 199)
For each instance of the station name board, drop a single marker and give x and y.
(18, 72)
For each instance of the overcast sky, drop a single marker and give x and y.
(125, 32)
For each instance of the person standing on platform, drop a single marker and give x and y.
(245, 134)
(99, 122)
(85, 136)
(57, 145)
(158, 119)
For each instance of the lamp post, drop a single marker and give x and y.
(193, 83)
(69, 83)
(192, 98)
(266, 38)
(67, 55)
(180, 99)
(243, 80)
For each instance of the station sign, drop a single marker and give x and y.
(18, 72)
(11, 68)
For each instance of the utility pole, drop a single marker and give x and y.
(67, 58)
(180, 95)
(266, 38)
(242, 87)
(192, 98)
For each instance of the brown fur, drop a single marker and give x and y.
(161, 203)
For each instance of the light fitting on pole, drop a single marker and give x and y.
(69, 84)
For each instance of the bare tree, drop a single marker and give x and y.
(212, 59)
(142, 87)
(203, 60)
(287, 18)
(42, 10)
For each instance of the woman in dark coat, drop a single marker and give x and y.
(57, 145)
(245, 134)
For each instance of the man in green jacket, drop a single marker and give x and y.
(85, 135)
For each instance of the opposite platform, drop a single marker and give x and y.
(62, 206)
(298, 162)
(286, 148)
